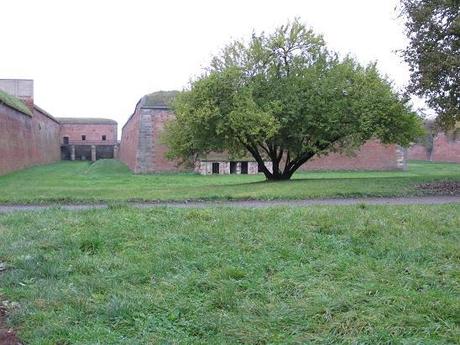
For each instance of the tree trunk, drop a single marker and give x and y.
(289, 169)
(276, 174)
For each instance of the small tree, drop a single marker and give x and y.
(284, 97)
(433, 54)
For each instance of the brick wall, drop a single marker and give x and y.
(93, 133)
(130, 141)
(143, 152)
(446, 148)
(26, 141)
(46, 138)
(418, 152)
(160, 162)
(141, 148)
(372, 156)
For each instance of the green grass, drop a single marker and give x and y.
(14, 103)
(320, 275)
(110, 180)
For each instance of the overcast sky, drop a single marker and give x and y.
(98, 58)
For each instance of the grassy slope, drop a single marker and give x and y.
(14, 103)
(109, 180)
(322, 275)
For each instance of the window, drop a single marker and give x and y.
(104, 138)
(65, 140)
(83, 137)
(215, 168)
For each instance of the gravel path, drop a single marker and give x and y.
(427, 200)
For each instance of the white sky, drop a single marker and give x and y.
(99, 57)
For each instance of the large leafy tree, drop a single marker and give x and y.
(284, 97)
(433, 54)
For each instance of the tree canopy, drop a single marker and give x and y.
(433, 54)
(284, 97)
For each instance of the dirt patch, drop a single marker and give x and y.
(7, 335)
(441, 188)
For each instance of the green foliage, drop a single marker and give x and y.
(433, 54)
(289, 275)
(111, 181)
(14, 103)
(284, 97)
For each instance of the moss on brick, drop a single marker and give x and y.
(85, 121)
(14, 103)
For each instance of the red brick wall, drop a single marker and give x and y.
(372, 156)
(26, 141)
(160, 162)
(446, 149)
(418, 152)
(46, 147)
(130, 141)
(93, 132)
(130, 147)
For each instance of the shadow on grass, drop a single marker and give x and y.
(344, 179)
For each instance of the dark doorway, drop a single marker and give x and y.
(65, 140)
(104, 151)
(244, 167)
(83, 152)
(65, 153)
(232, 167)
(215, 168)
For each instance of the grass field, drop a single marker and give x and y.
(109, 180)
(321, 275)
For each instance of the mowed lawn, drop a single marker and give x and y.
(110, 180)
(320, 275)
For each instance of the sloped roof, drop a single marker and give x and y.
(86, 121)
(159, 99)
(15, 103)
(45, 113)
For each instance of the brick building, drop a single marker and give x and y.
(31, 136)
(142, 151)
(140, 147)
(88, 138)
